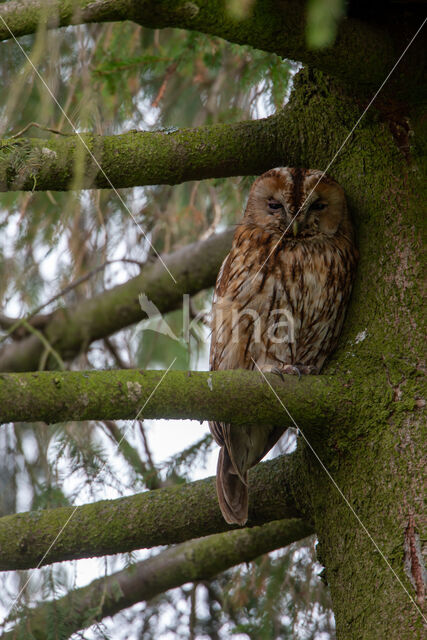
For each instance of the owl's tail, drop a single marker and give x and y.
(232, 492)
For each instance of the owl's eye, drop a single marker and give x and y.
(318, 206)
(274, 205)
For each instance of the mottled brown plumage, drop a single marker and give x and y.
(279, 302)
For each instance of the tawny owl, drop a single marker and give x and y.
(279, 302)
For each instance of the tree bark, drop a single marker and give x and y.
(149, 519)
(200, 559)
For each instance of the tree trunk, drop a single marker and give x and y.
(371, 554)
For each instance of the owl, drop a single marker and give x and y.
(279, 303)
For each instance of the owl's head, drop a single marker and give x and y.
(299, 202)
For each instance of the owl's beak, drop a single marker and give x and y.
(299, 224)
(295, 228)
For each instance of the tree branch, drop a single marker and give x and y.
(240, 397)
(200, 559)
(361, 56)
(141, 157)
(73, 329)
(158, 517)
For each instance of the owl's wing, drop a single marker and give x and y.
(216, 428)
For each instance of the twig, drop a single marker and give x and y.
(47, 345)
(130, 453)
(146, 446)
(217, 215)
(114, 352)
(169, 72)
(39, 126)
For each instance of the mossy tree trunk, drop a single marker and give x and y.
(374, 460)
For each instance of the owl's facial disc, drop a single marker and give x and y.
(284, 216)
(298, 203)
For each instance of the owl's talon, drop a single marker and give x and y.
(306, 369)
(278, 372)
(288, 369)
(292, 370)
